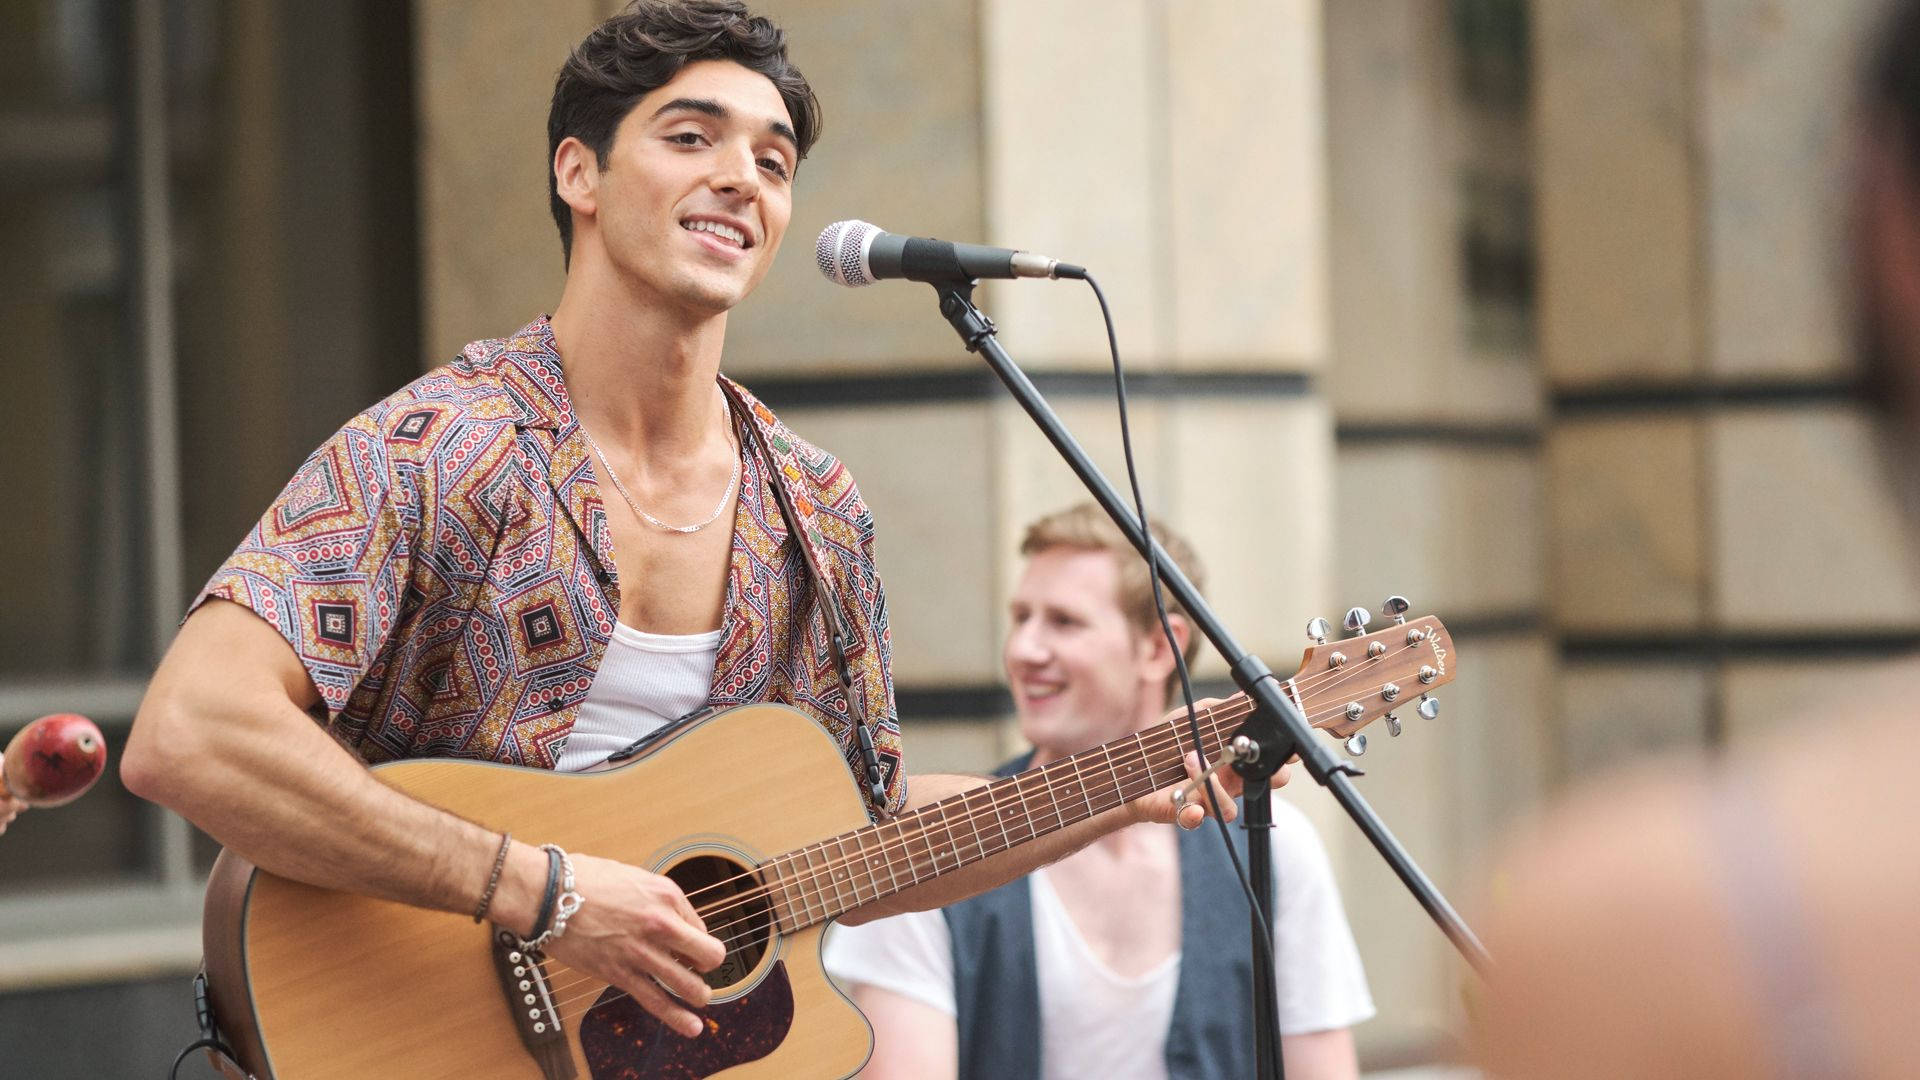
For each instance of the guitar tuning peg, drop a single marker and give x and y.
(1429, 707)
(1393, 725)
(1396, 606)
(1357, 619)
(1357, 744)
(1317, 631)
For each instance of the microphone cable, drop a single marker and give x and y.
(1265, 938)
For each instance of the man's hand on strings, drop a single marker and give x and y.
(638, 931)
(1186, 804)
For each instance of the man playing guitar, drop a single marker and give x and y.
(537, 553)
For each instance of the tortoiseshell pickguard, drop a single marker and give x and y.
(622, 1041)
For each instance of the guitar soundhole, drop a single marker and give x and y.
(731, 902)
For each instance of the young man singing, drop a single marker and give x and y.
(559, 541)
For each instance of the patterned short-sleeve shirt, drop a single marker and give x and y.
(443, 568)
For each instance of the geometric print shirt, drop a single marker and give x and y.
(443, 568)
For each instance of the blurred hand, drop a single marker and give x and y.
(10, 807)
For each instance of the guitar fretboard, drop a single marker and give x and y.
(836, 875)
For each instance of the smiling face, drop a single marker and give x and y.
(1082, 674)
(696, 191)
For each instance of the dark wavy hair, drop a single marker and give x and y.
(640, 50)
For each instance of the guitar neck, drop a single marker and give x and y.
(836, 875)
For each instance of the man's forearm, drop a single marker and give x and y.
(995, 870)
(220, 740)
(288, 799)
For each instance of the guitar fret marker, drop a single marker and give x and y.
(819, 886)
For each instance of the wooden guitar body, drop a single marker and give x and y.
(311, 984)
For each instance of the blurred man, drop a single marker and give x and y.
(1757, 917)
(10, 808)
(1128, 958)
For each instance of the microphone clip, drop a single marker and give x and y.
(956, 303)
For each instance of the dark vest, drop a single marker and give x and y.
(997, 987)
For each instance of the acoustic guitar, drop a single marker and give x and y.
(313, 984)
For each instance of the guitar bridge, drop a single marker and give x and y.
(523, 977)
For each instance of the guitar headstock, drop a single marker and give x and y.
(1345, 685)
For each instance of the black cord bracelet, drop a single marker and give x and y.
(544, 921)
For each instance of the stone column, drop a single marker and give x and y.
(1720, 534)
(1439, 492)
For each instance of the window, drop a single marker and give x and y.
(207, 246)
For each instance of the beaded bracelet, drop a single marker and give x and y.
(560, 903)
(493, 880)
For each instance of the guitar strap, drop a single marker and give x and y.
(832, 613)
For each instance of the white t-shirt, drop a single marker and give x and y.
(1096, 1025)
(645, 681)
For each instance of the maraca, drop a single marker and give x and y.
(53, 760)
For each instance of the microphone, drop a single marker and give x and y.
(855, 253)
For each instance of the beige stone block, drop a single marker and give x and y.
(1813, 698)
(1625, 527)
(489, 251)
(1496, 719)
(1032, 480)
(1776, 89)
(1614, 713)
(1249, 486)
(926, 473)
(1246, 168)
(1076, 167)
(1394, 261)
(1617, 229)
(953, 746)
(902, 147)
(1458, 530)
(1806, 532)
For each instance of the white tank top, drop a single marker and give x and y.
(645, 681)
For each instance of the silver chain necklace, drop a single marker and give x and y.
(649, 518)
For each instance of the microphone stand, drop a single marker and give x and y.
(1272, 733)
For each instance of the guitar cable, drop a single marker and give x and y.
(1265, 939)
(203, 1017)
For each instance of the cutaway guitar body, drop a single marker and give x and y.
(312, 984)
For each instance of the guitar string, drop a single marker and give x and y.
(1232, 708)
(973, 817)
(1110, 785)
(558, 989)
(1053, 776)
(734, 940)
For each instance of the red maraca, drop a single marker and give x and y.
(53, 760)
